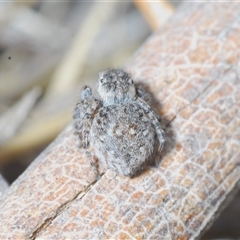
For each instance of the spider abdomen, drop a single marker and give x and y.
(123, 138)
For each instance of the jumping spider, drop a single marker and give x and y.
(120, 127)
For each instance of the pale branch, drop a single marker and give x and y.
(192, 68)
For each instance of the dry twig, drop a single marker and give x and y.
(192, 68)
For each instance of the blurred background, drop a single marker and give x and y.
(48, 51)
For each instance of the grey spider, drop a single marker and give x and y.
(120, 128)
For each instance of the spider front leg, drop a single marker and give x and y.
(155, 119)
(140, 92)
(84, 113)
(94, 163)
(80, 110)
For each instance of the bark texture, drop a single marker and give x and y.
(192, 68)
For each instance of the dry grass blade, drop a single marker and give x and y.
(156, 13)
(36, 133)
(25, 58)
(67, 74)
(12, 119)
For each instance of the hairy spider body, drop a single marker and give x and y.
(121, 127)
(123, 137)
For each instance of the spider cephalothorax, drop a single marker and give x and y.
(115, 87)
(120, 127)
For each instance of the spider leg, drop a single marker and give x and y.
(155, 119)
(86, 145)
(94, 163)
(85, 133)
(86, 92)
(140, 92)
(84, 113)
